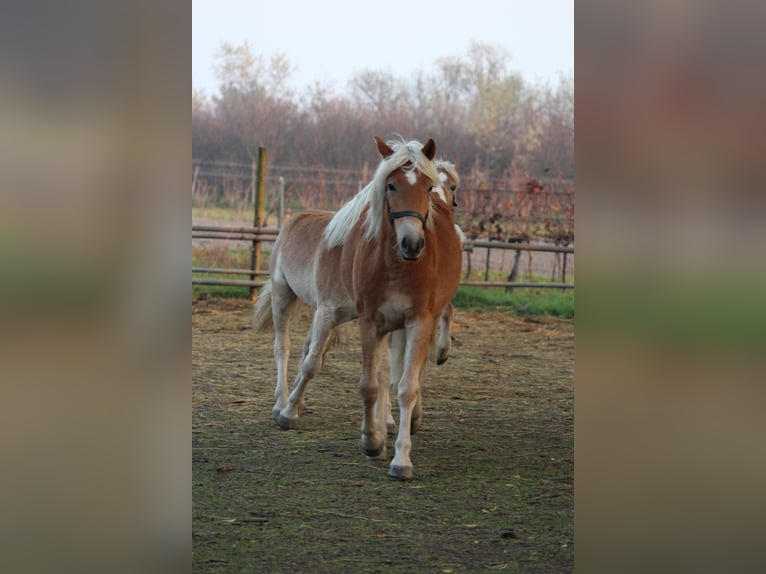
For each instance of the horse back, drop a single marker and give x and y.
(301, 259)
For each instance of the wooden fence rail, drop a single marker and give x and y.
(258, 234)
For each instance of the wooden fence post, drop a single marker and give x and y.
(258, 200)
(564, 269)
(514, 271)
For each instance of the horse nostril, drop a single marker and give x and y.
(410, 248)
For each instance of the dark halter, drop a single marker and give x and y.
(408, 213)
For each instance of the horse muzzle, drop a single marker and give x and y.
(412, 249)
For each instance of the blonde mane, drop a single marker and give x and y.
(373, 194)
(448, 168)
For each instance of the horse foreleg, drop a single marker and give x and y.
(396, 345)
(396, 349)
(415, 356)
(373, 438)
(316, 343)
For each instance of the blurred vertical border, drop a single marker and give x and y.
(670, 119)
(95, 143)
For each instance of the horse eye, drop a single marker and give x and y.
(432, 188)
(453, 187)
(390, 187)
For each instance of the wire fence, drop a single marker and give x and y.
(514, 209)
(501, 218)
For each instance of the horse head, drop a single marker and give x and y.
(408, 201)
(450, 181)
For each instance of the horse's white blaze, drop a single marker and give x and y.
(412, 177)
(439, 190)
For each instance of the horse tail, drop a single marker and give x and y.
(263, 319)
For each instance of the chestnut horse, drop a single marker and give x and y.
(447, 192)
(390, 257)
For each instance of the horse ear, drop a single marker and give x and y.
(383, 148)
(429, 150)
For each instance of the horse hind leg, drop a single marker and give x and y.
(283, 301)
(444, 342)
(313, 355)
(373, 431)
(333, 339)
(396, 346)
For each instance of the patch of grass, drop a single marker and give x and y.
(218, 291)
(241, 213)
(237, 213)
(522, 301)
(226, 258)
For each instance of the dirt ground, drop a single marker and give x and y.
(493, 461)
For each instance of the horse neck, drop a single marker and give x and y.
(440, 211)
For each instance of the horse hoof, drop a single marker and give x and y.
(381, 455)
(441, 360)
(400, 472)
(286, 423)
(374, 453)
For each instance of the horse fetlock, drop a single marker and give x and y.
(276, 411)
(379, 455)
(373, 446)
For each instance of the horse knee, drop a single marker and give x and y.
(408, 393)
(369, 392)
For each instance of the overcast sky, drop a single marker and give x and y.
(329, 40)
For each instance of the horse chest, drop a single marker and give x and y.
(392, 311)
